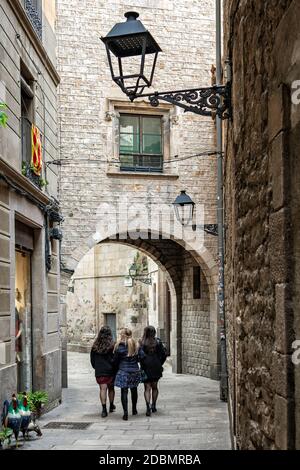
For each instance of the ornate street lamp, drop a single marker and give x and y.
(133, 273)
(133, 270)
(131, 39)
(184, 210)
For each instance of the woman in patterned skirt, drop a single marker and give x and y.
(127, 357)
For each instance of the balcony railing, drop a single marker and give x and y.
(146, 163)
(33, 9)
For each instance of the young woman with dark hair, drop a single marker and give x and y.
(102, 355)
(127, 356)
(152, 361)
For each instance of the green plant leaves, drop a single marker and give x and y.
(37, 399)
(3, 115)
(6, 433)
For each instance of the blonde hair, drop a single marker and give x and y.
(126, 337)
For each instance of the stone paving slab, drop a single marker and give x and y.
(190, 416)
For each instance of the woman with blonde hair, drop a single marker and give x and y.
(127, 356)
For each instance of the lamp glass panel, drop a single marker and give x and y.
(185, 214)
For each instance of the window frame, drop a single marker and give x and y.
(141, 154)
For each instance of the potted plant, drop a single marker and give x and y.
(28, 171)
(5, 435)
(37, 401)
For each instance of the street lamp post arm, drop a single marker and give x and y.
(206, 101)
(211, 229)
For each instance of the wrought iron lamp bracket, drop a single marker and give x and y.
(143, 279)
(210, 101)
(211, 229)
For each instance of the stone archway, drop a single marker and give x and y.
(194, 343)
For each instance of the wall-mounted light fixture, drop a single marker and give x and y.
(56, 233)
(144, 277)
(184, 208)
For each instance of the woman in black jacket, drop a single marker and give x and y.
(154, 357)
(102, 355)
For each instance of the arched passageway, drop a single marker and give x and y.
(192, 278)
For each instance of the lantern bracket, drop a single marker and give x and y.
(211, 229)
(206, 101)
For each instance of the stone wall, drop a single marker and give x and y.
(260, 205)
(195, 324)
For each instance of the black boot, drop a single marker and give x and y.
(153, 408)
(148, 412)
(124, 400)
(104, 411)
(112, 407)
(134, 398)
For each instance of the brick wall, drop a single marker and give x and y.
(195, 323)
(88, 107)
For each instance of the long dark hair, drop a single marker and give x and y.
(149, 339)
(104, 341)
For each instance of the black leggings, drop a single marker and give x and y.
(124, 398)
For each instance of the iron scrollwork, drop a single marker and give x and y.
(211, 101)
(211, 229)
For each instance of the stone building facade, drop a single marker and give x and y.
(93, 183)
(29, 258)
(262, 216)
(102, 292)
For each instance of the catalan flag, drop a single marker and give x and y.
(36, 150)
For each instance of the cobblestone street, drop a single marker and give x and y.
(190, 416)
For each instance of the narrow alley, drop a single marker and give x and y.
(190, 416)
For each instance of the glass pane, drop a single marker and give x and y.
(129, 124)
(129, 143)
(152, 144)
(151, 125)
(126, 160)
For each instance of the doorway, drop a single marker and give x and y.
(110, 320)
(168, 318)
(23, 319)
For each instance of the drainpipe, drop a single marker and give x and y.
(220, 218)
